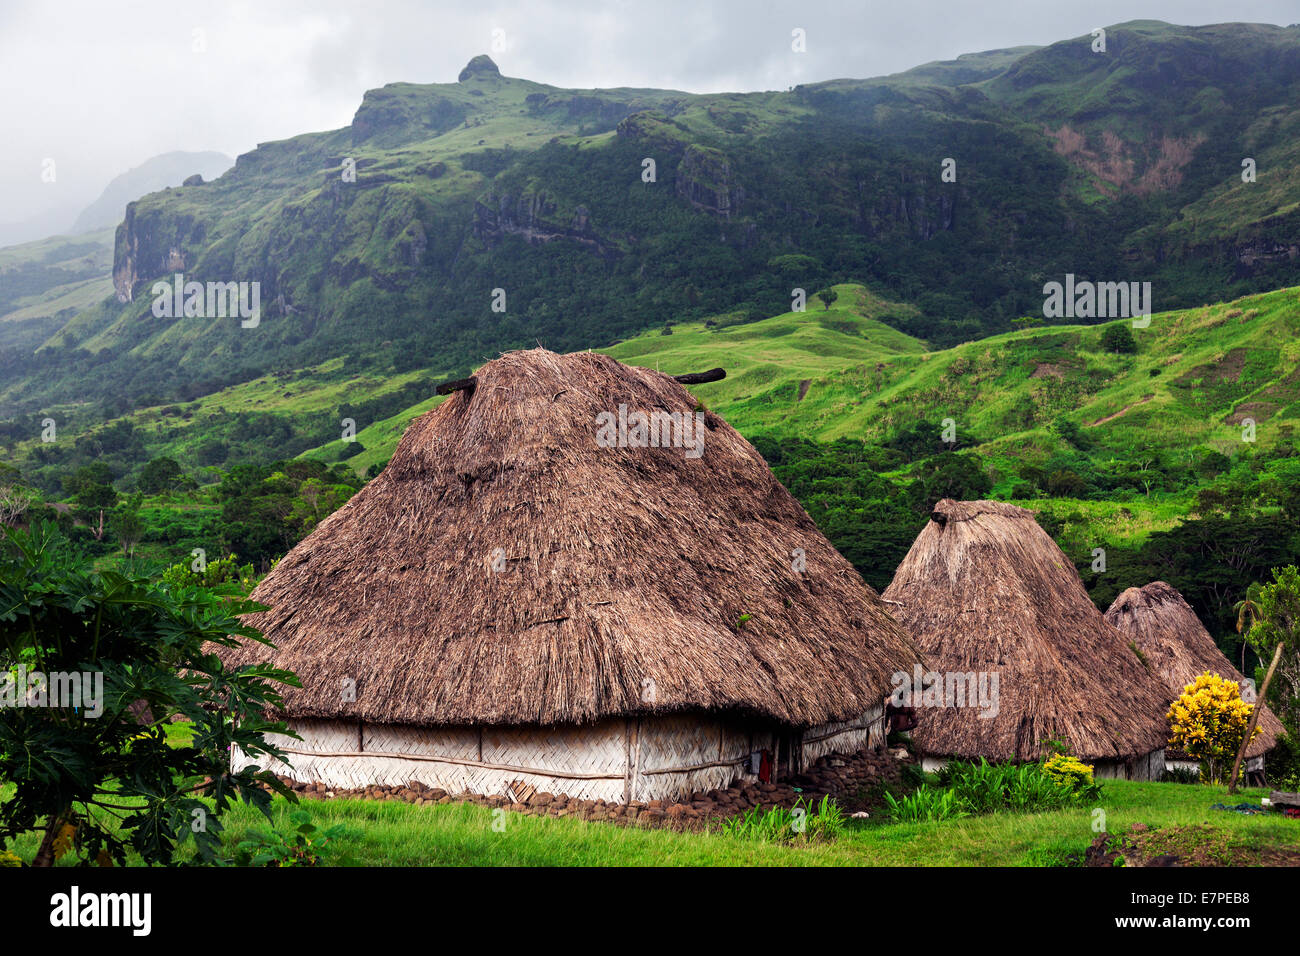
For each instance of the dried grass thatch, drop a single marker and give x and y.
(627, 572)
(1171, 637)
(985, 589)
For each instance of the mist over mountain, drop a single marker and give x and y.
(169, 169)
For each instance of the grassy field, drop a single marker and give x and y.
(390, 833)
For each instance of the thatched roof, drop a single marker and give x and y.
(1169, 634)
(985, 589)
(624, 572)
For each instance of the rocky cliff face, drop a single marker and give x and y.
(706, 180)
(921, 214)
(152, 245)
(387, 117)
(534, 216)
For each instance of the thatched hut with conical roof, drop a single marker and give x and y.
(1163, 626)
(570, 577)
(993, 603)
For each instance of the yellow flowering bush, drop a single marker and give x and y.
(1208, 722)
(1068, 771)
(9, 858)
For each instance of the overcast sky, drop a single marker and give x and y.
(100, 87)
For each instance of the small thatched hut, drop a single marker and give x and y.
(989, 597)
(1171, 637)
(556, 584)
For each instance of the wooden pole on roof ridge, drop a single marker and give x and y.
(1254, 717)
(460, 384)
(699, 378)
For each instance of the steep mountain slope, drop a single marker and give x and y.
(390, 242)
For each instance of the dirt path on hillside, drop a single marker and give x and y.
(1110, 418)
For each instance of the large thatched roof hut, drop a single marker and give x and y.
(1171, 637)
(989, 597)
(530, 594)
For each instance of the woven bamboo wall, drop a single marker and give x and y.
(652, 758)
(584, 762)
(1148, 767)
(681, 754)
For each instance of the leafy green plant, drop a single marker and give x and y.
(1283, 761)
(1288, 784)
(98, 774)
(1072, 773)
(1278, 622)
(966, 789)
(304, 845)
(1181, 775)
(221, 571)
(926, 804)
(804, 822)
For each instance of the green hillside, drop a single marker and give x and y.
(1197, 373)
(384, 241)
(842, 372)
(47, 283)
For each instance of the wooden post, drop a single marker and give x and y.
(1254, 717)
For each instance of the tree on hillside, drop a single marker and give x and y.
(127, 525)
(1118, 337)
(1247, 614)
(828, 297)
(1279, 623)
(161, 474)
(89, 760)
(959, 476)
(91, 486)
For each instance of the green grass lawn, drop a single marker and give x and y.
(390, 833)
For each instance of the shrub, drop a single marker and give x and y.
(1283, 761)
(1208, 722)
(1180, 775)
(214, 573)
(1071, 773)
